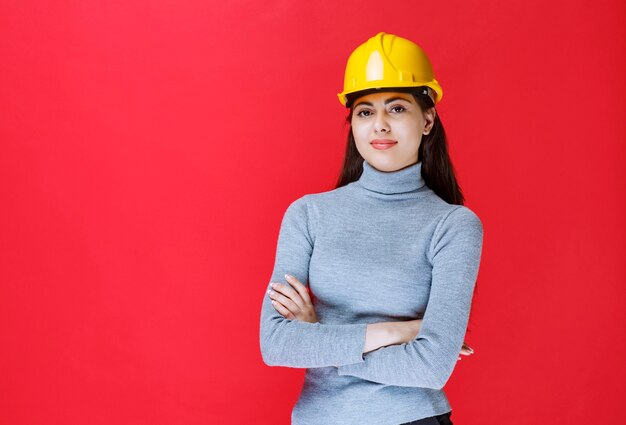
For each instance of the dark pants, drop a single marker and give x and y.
(433, 420)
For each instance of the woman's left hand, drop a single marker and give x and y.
(293, 304)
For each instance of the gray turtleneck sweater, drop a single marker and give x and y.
(383, 248)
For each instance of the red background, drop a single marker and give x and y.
(150, 148)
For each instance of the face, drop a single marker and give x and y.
(388, 129)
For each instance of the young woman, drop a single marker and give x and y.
(391, 257)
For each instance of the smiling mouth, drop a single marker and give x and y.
(383, 144)
(383, 141)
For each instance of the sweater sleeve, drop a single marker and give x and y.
(293, 343)
(428, 360)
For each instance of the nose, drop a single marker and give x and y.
(381, 125)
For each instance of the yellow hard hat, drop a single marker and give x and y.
(389, 61)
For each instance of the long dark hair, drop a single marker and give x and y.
(437, 169)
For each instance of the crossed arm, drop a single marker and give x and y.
(293, 302)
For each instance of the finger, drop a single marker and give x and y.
(282, 310)
(285, 301)
(466, 348)
(290, 293)
(304, 293)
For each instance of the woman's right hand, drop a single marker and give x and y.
(410, 329)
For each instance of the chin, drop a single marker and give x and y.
(384, 164)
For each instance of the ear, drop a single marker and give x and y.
(429, 117)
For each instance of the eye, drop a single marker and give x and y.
(361, 111)
(401, 108)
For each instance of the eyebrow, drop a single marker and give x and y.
(386, 101)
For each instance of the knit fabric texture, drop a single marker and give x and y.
(382, 248)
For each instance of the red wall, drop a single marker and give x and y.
(150, 148)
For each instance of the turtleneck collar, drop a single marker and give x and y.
(405, 180)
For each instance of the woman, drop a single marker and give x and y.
(390, 255)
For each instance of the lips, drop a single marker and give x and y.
(383, 143)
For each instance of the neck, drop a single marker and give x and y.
(407, 179)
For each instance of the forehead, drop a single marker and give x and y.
(383, 97)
